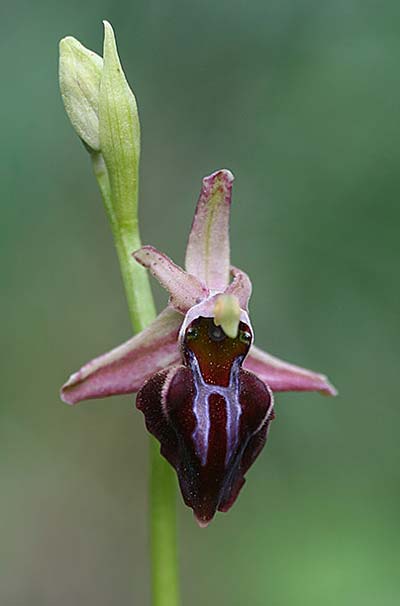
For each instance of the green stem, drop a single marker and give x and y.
(165, 587)
(135, 278)
(163, 536)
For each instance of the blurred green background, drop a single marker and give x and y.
(300, 99)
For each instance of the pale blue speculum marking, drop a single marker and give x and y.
(201, 409)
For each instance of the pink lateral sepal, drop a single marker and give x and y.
(282, 376)
(125, 368)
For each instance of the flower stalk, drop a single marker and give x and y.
(103, 111)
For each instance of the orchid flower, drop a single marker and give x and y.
(206, 391)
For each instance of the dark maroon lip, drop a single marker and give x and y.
(211, 418)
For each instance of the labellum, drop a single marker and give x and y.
(212, 418)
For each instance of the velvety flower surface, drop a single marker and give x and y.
(205, 390)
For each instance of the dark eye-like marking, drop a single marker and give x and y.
(216, 333)
(192, 333)
(245, 336)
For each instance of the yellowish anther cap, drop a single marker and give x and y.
(227, 314)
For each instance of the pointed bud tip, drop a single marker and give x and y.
(109, 38)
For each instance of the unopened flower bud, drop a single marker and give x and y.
(80, 73)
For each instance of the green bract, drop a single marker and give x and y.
(119, 132)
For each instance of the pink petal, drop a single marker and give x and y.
(207, 253)
(125, 368)
(184, 288)
(282, 376)
(240, 287)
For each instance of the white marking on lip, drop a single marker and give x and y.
(201, 409)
